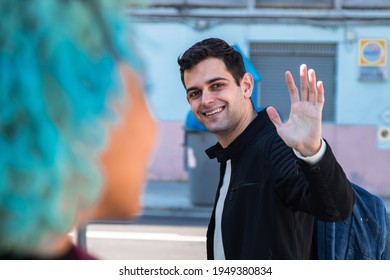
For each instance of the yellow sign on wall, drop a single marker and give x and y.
(372, 52)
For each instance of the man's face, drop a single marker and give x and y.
(217, 102)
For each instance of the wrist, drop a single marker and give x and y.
(314, 158)
(310, 150)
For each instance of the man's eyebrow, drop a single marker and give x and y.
(191, 89)
(207, 82)
(215, 79)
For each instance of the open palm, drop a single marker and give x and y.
(303, 129)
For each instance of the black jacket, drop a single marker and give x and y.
(273, 196)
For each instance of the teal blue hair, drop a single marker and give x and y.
(58, 80)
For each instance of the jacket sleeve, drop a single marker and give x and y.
(321, 190)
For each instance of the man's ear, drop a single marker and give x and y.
(247, 84)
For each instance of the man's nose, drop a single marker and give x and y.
(207, 97)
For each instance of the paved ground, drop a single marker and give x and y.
(169, 227)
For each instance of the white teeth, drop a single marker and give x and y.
(214, 111)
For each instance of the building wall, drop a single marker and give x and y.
(361, 107)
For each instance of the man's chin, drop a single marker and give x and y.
(211, 129)
(214, 127)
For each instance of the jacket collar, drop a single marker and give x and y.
(235, 148)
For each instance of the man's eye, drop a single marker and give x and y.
(193, 94)
(217, 85)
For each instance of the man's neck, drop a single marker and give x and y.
(226, 140)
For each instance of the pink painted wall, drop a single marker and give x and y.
(354, 146)
(167, 163)
(356, 150)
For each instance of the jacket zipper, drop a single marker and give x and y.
(232, 193)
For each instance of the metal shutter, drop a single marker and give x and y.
(272, 60)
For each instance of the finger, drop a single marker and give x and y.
(274, 116)
(304, 82)
(292, 88)
(321, 93)
(312, 86)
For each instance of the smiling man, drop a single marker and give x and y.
(275, 178)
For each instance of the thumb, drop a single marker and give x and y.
(274, 116)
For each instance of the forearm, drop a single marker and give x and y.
(329, 188)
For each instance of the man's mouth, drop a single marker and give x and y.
(213, 112)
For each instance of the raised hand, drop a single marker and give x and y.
(303, 130)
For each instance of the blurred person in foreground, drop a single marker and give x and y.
(275, 178)
(75, 130)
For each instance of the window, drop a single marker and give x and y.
(309, 4)
(372, 4)
(199, 3)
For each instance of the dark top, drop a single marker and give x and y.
(273, 196)
(74, 253)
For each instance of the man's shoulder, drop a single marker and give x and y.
(267, 136)
(269, 144)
